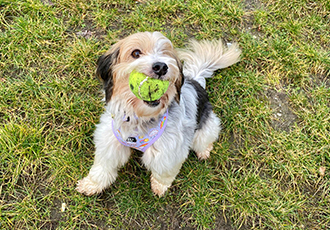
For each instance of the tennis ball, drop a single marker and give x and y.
(147, 88)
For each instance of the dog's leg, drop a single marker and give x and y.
(161, 181)
(204, 137)
(164, 164)
(109, 156)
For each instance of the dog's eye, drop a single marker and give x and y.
(136, 54)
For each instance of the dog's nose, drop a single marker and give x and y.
(160, 68)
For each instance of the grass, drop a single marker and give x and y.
(270, 167)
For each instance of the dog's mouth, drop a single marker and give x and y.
(152, 103)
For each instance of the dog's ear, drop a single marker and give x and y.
(104, 70)
(179, 82)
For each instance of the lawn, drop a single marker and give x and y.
(270, 168)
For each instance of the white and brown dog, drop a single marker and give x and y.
(180, 120)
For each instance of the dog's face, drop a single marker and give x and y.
(149, 53)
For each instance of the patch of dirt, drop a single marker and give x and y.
(174, 219)
(89, 31)
(47, 2)
(283, 118)
(55, 215)
(249, 24)
(321, 79)
(251, 5)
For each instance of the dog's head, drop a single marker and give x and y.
(149, 53)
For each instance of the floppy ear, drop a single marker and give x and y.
(179, 82)
(104, 70)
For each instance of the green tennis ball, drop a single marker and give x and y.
(147, 88)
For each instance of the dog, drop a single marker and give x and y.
(185, 108)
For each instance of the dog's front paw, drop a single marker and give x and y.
(88, 187)
(206, 153)
(158, 188)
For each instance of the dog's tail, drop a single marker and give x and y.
(202, 58)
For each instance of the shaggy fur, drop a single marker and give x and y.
(191, 123)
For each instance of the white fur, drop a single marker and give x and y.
(203, 58)
(166, 156)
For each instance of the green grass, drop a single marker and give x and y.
(266, 169)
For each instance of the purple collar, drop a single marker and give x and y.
(139, 142)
